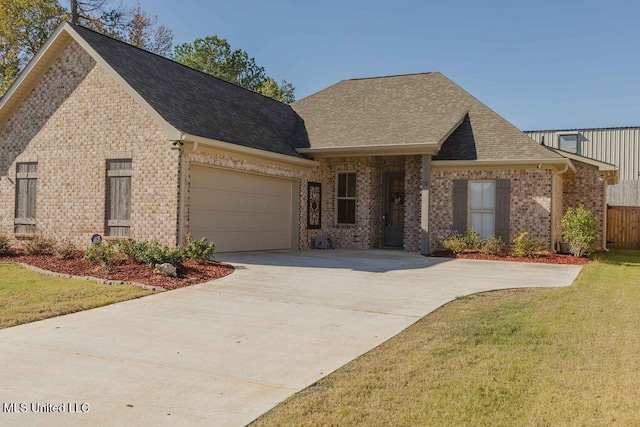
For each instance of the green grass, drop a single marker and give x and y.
(529, 357)
(26, 296)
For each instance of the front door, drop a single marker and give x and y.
(393, 209)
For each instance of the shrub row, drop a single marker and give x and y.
(40, 244)
(151, 253)
(470, 241)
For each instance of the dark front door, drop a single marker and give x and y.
(393, 209)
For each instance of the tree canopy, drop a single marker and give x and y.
(214, 56)
(26, 24)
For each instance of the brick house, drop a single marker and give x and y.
(97, 136)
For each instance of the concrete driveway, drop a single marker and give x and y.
(225, 352)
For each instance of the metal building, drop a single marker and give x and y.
(619, 146)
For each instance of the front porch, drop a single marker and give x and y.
(372, 202)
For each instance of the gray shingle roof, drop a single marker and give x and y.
(413, 109)
(199, 104)
(393, 110)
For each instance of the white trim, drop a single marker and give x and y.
(563, 162)
(235, 148)
(372, 150)
(470, 210)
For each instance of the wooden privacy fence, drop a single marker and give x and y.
(623, 227)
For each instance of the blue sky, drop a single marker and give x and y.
(540, 64)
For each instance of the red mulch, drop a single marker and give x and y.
(547, 258)
(190, 273)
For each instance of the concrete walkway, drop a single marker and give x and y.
(225, 352)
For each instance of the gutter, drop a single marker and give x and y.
(528, 162)
(372, 150)
(235, 148)
(554, 238)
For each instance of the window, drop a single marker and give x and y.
(568, 142)
(346, 198)
(26, 178)
(482, 202)
(118, 197)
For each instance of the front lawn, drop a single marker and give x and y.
(26, 296)
(567, 356)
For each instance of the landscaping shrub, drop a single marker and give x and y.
(200, 250)
(472, 240)
(66, 250)
(455, 243)
(491, 245)
(135, 250)
(39, 245)
(105, 254)
(155, 253)
(5, 243)
(579, 229)
(525, 245)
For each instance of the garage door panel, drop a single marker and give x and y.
(241, 221)
(233, 181)
(235, 242)
(240, 202)
(240, 211)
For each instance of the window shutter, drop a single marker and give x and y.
(460, 205)
(503, 208)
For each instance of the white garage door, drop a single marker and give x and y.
(240, 211)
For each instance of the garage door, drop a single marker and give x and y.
(240, 211)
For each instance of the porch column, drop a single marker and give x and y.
(424, 215)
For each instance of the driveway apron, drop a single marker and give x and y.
(225, 352)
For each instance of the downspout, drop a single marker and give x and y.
(183, 182)
(553, 204)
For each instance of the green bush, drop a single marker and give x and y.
(105, 254)
(472, 240)
(154, 253)
(126, 246)
(39, 245)
(455, 243)
(525, 245)
(5, 242)
(579, 229)
(200, 250)
(491, 245)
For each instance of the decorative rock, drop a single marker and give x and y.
(165, 269)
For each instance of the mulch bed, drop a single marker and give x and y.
(547, 258)
(190, 273)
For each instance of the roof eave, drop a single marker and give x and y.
(255, 152)
(372, 150)
(559, 162)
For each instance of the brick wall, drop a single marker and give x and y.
(75, 119)
(530, 200)
(587, 187)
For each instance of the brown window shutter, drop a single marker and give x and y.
(503, 209)
(460, 205)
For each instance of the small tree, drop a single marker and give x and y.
(579, 229)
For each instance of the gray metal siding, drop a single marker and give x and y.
(618, 146)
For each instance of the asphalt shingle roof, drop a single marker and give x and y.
(199, 104)
(393, 110)
(413, 109)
